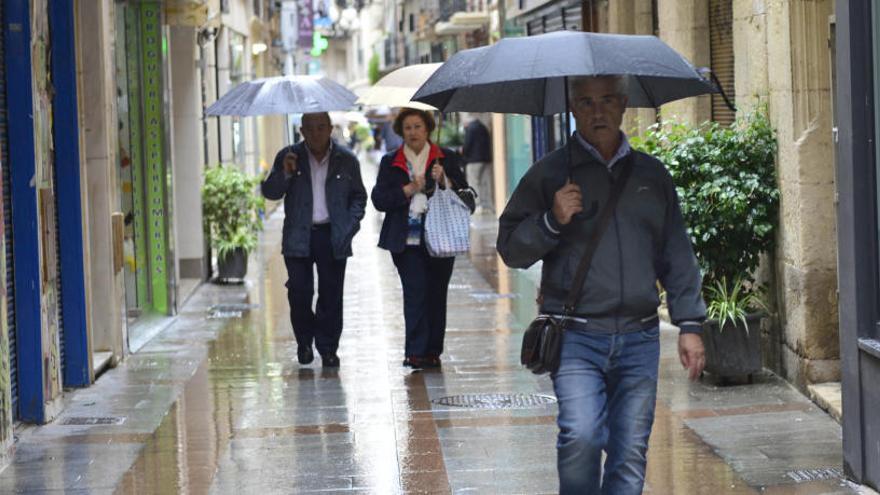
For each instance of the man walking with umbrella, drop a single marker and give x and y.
(324, 201)
(606, 383)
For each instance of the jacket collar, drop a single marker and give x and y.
(302, 152)
(400, 160)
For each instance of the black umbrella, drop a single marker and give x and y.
(528, 75)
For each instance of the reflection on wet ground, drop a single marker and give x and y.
(219, 405)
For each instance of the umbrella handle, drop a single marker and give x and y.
(439, 126)
(717, 84)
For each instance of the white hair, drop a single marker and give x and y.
(620, 83)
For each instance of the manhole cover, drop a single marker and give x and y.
(92, 420)
(815, 474)
(496, 401)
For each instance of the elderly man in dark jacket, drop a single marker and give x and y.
(607, 379)
(324, 201)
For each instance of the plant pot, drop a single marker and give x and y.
(233, 265)
(733, 350)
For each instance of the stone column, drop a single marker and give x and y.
(104, 285)
(187, 153)
(633, 17)
(799, 75)
(684, 25)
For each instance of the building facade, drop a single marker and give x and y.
(100, 106)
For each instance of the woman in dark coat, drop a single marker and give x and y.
(407, 177)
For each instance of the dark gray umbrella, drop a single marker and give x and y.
(527, 75)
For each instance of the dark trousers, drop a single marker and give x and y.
(324, 324)
(425, 281)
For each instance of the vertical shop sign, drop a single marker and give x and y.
(155, 164)
(305, 19)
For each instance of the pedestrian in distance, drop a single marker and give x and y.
(407, 178)
(606, 383)
(324, 201)
(477, 153)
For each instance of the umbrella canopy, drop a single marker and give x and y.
(397, 88)
(527, 75)
(283, 95)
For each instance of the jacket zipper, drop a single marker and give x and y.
(620, 270)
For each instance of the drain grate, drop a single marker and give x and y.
(92, 420)
(496, 401)
(815, 474)
(491, 296)
(229, 310)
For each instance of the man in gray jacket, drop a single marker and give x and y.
(324, 201)
(607, 379)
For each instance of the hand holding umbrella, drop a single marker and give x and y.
(567, 202)
(290, 163)
(437, 173)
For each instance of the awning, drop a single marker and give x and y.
(462, 22)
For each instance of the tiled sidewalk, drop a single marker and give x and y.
(220, 405)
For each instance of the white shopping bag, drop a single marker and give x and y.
(447, 225)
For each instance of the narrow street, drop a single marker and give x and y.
(218, 404)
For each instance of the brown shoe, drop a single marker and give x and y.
(415, 362)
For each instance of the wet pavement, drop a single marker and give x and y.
(217, 403)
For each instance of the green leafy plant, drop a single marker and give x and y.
(732, 302)
(451, 135)
(243, 238)
(231, 209)
(373, 69)
(725, 177)
(365, 136)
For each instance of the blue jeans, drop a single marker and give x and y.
(607, 387)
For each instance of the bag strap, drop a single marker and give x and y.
(601, 225)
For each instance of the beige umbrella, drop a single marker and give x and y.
(397, 88)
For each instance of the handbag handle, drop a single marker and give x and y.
(601, 225)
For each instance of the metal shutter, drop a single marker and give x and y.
(59, 309)
(721, 53)
(7, 229)
(558, 19)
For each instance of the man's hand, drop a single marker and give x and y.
(692, 354)
(567, 202)
(290, 163)
(417, 185)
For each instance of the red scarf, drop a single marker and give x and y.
(400, 160)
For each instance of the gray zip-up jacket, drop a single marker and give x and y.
(645, 241)
(346, 200)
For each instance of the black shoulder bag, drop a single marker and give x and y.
(542, 341)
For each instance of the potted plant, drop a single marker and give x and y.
(725, 177)
(732, 334)
(231, 207)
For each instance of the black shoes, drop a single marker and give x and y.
(330, 360)
(422, 362)
(305, 355)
